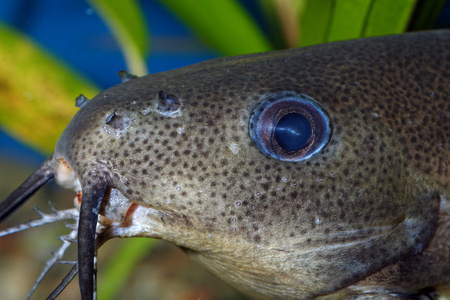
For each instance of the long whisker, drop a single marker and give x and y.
(90, 205)
(102, 237)
(85, 230)
(66, 280)
(26, 189)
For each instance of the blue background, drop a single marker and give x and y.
(73, 32)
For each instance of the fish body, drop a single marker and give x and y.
(196, 156)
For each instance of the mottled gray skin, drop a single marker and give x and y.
(368, 215)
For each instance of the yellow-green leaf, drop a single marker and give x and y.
(37, 92)
(315, 22)
(348, 20)
(332, 20)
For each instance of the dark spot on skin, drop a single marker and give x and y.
(257, 239)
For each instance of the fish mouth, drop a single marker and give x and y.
(101, 212)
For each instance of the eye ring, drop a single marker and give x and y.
(289, 126)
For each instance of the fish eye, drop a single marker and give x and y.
(289, 126)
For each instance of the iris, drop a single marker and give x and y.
(289, 126)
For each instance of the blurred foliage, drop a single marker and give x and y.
(334, 20)
(224, 25)
(37, 91)
(425, 14)
(114, 275)
(127, 23)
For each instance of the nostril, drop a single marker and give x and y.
(114, 121)
(116, 124)
(168, 104)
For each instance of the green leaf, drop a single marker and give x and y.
(388, 17)
(333, 20)
(113, 276)
(37, 92)
(224, 25)
(128, 25)
(315, 22)
(348, 19)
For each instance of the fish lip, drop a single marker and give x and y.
(115, 208)
(65, 175)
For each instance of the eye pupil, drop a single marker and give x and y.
(293, 132)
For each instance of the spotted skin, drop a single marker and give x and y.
(367, 215)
